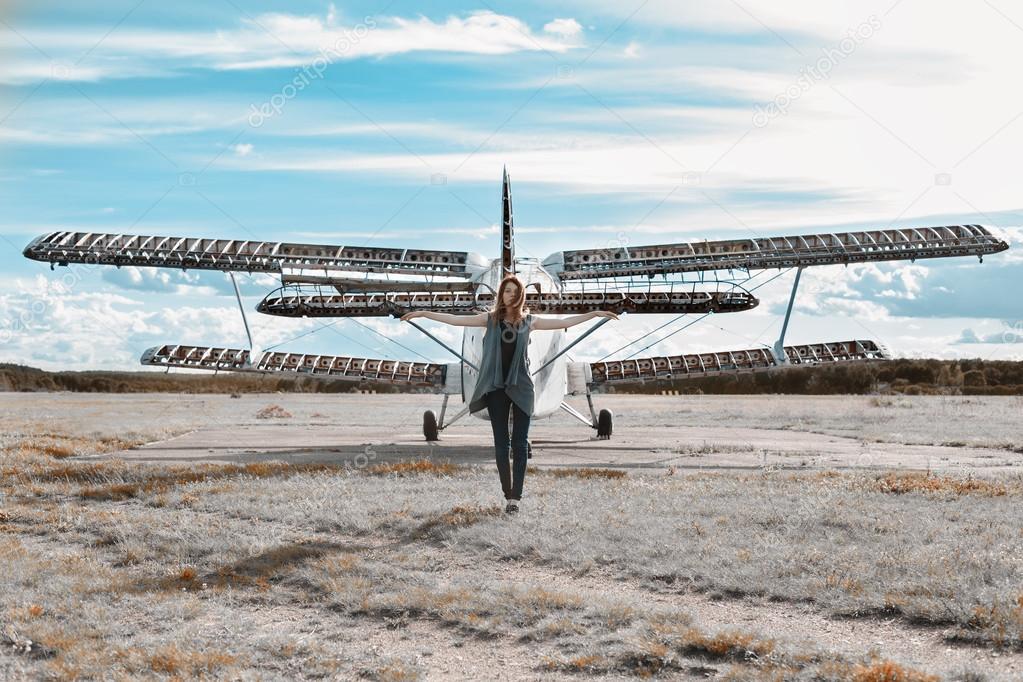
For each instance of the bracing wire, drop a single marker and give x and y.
(330, 326)
(668, 336)
(391, 340)
(304, 334)
(671, 321)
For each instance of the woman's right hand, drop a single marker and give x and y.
(413, 314)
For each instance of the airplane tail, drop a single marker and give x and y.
(507, 231)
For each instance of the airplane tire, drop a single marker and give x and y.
(430, 426)
(529, 452)
(604, 422)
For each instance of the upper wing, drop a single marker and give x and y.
(350, 266)
(776, 252)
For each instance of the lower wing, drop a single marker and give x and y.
(435, 377)
(694, 365)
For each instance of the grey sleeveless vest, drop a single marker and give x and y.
(520, 384)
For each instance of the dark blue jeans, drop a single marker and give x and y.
(498, 406)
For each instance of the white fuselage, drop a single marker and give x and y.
(549, 385)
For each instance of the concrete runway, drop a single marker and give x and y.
(374, 430)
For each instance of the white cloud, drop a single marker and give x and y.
(56, 323)
(565, 28)
(1008, 334)
(273, 40)
(242, 149)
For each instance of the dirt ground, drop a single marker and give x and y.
(655, 438)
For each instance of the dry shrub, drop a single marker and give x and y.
(579, 472)
(850, 585)
(651, 658)
(584, 663)
(412, 467)
(655, 655)
(163, 480)
(887, 671)
(916, 482)
(724, 644)
(468, 516)
(393, 671)
(273, 412)
(546, 600)
(174, 661)
(1001, 621)
(60, 446)
(458, 517)
(256, 571)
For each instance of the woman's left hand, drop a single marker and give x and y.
(604, 313)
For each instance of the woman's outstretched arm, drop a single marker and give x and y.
(550, 323)
(477, 320)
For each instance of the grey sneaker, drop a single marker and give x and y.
(512, 507)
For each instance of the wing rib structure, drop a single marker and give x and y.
(247, 256)
(694, 365)
(776, 252)
(298, 302)
(425, 374)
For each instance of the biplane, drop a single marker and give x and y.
(680, 279)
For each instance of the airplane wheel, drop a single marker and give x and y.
(604, 421)
(529, 452)
(430, 425)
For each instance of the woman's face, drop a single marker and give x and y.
(511, 292)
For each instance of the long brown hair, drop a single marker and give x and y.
(518, 307)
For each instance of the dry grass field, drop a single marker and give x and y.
(403, 567)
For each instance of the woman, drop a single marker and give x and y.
(505, 383)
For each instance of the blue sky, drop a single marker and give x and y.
(388, 124)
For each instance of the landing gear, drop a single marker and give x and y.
(430, 426)
(434, 424)
(529, 452)
(601, 422)
(604, 423)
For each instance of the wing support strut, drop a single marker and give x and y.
(253, 351)
(779, 346)
(575, 413)
(446, 346)
(461, 413)
(569, 346)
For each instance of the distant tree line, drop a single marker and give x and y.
(905, 376)
(21, 378)
(910, 377)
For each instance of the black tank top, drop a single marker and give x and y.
(508, 339)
